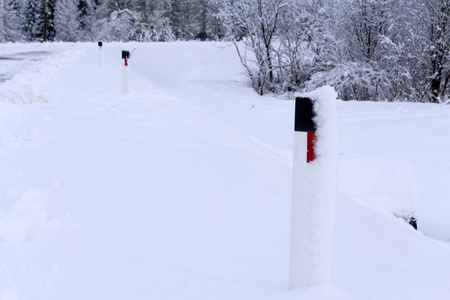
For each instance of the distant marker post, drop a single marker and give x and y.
(100, 53)
(126, 72)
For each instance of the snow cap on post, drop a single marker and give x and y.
(125, 54)
(324, 107)
(304, 115)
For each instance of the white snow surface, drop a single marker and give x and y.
(181, 188)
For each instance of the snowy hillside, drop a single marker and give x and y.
(181, 189)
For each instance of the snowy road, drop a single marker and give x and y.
(181, 189)
(17, 57)
(14, 62)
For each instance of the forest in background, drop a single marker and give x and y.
(381, 50)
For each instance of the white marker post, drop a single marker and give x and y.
(100, 54)
(313, 189)
(126, 72)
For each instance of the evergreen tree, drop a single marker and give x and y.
(258, 22)
(140, 31)
(50, 17)
(185, 19)
(87, 18)
(156, 14)
(437, 50)
(9, 21)
(122, 4)
(67, 21)
(85, 11)
(32, 23)
(370, 44)
(211, 23)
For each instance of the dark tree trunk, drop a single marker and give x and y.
(436, 87)
(45, 20)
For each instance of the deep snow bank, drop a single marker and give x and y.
(26, 215)
(181, 189)
(384, 184)
(37, 64)
(377, 138)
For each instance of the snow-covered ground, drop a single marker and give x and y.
(15, 57)
(181, 189)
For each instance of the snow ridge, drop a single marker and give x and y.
(25, 86)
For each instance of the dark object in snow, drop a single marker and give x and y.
(125, 54)
(100, 44)
(410, 220)
(304, 115)
(413, 223)
(202, 36)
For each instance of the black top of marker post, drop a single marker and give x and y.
(125, 54)
(100, 44)
(304, 115)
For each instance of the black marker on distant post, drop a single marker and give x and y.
(125, 72)
(100, 54)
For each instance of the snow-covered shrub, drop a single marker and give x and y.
(258, 21)
(361, 81)
(125, 25)
(384, 184)
(118, 26)
(159, 27)
(66, 22)
(140, 31)
(9, 22)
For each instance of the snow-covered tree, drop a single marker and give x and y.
(125, 25)
(9, 21)
(32, 20)
(156, 14)
(367, 49)
(437, 50)
(49, 19)
(86, 13)
(122, 4)
(370, 41)
(214, 27)
(185, 19)
(257, 21)
(67, 21)
(306, 43)
(93, 17)
(140, 31)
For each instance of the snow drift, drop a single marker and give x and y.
(181, 188)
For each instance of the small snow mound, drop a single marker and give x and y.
(384, 184)
(9, 293)
(9, 97)
(54, 268)
(32, 135)
(320, 293)
(24, 87)
(26, 215)
(10, 121)
(21, 94)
